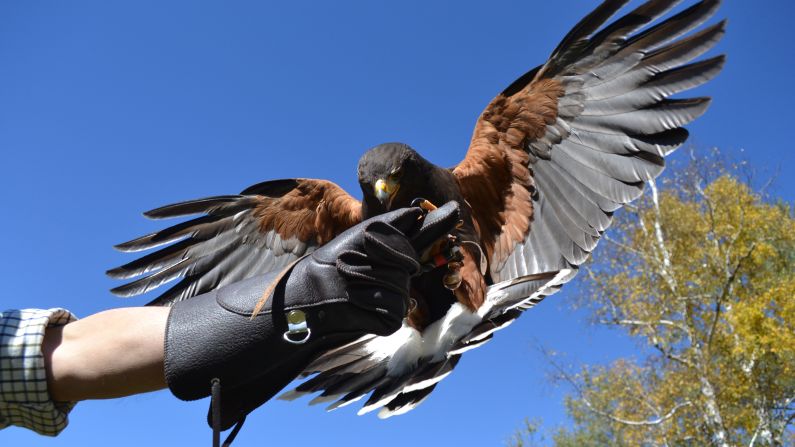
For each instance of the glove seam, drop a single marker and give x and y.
(285, 308)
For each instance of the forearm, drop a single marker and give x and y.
(110, 354)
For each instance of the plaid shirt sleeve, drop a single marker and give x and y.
(24, 400)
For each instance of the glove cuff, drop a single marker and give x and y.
(213, 335)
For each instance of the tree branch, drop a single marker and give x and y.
(614, 418)
(623, 246)
(727, 288)
(580, 392)
(658, 234)
(756, 433)
(661, 322)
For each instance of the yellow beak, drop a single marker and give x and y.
(384, 190)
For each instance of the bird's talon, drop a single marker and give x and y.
(428, 206)
(452, 280)
(425, 204)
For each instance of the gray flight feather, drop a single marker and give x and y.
(615, 124)
(222, 246)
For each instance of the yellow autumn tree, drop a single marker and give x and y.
(702, 273)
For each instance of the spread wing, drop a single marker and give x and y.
(556, 153)
(550, 159)
(264, 228)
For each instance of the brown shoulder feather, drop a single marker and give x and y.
(494, 177)
(315, 211)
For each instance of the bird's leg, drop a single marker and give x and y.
(417, 314)
(445, 251)
(472, 290)
(455, 261)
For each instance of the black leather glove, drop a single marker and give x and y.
(356, 284)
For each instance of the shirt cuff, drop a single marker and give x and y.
(24, 399)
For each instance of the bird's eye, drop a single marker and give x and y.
(395, 174)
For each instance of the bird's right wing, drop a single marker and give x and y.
(264, 228)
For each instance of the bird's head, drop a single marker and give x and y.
(389, 174)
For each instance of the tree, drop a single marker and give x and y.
(702, 274)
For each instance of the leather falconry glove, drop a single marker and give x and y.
(356, 284)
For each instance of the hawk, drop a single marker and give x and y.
(551, 158)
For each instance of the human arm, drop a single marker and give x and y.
(109, 354)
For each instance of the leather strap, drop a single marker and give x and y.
(269, 291)
(215, 410)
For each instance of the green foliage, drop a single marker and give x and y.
(527, 436)
(702, 274)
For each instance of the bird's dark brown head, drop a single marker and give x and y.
(391, 176)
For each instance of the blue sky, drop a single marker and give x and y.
(108, 109)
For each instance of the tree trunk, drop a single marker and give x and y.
(712, 413)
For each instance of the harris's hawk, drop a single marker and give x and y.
(550, 159)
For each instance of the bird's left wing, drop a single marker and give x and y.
(567, 144)
(262, 229)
